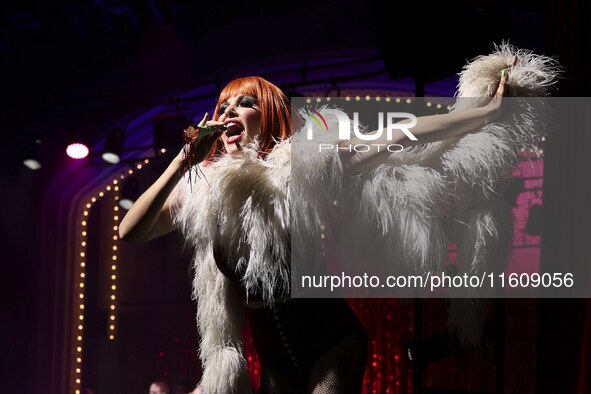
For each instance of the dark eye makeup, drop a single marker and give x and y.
(248, 102)
(243, 101)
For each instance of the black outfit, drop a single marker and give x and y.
(304, 344)
(291, 337)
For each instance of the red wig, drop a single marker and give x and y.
(275, 111)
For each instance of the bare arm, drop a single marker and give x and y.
(427, 129)
(149, 217)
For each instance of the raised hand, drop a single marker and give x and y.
(501, 88)
(200, 146)
(497, 97)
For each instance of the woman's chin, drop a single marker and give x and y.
(233, 149)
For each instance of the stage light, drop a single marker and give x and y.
(33, 164)
(114, 146)
(129, 193)
(77, 151)
(33, 155)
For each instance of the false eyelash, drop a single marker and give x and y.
(248, 101)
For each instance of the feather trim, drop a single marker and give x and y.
(254, 206)
(241, 203)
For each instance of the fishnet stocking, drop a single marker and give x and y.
(341, 368)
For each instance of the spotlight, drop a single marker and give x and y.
(77, 150)
(114, 146)
(78, 142)
(33, 157)
(129, 193)
(33, 164)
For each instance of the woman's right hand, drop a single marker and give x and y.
(200, 147)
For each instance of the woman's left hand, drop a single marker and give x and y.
(502, 88)
(496, 98)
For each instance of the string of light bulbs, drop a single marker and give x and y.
(111, 188)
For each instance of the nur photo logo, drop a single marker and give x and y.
(381, 139)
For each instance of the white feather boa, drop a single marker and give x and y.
(241, 203)
(244, 203)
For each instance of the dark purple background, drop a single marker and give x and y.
(84, 68)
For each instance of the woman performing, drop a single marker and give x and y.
(236, 217)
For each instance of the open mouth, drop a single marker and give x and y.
(234, 132)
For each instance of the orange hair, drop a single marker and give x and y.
(275, 111)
